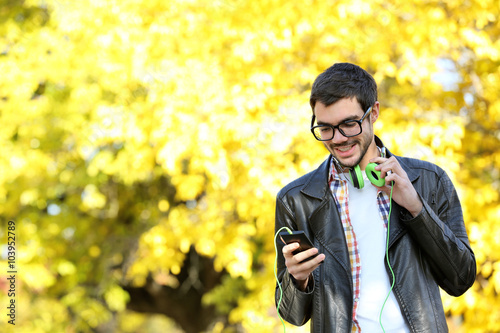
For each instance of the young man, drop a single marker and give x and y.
(344, 288)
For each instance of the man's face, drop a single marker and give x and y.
(348, 151)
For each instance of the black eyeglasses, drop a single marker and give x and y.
(348, 128)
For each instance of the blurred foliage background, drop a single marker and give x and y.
(143, 143)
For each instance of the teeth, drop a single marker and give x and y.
(345, 148)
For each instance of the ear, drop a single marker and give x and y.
(375, 112)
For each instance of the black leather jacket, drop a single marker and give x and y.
(427, 252)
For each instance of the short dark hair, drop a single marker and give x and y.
(344, 80)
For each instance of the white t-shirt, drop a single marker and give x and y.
(375, 283)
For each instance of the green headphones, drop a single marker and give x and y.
(372, 174)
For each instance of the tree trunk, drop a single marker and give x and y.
(184, 303)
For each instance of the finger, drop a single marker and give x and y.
(383, 164)
(303, 269)
(385, 173)
(391, 166)
(396, 167)
(305, 254)
(319, 259)
(289, 248)
(390, 180)
(385, 170)
(311, 265)
(378, 160)
(390, 174)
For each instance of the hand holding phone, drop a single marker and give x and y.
(298, 237)
(300, 268)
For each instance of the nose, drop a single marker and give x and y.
(338, 138)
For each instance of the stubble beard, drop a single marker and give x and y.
(364, 148)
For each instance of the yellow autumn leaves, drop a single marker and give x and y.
(135, 133)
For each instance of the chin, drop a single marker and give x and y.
(349, 162)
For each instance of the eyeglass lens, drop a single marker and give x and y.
(325, 133)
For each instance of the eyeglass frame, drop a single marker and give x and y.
(337, 127)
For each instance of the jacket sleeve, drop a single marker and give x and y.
(440, 231)
(294, 305)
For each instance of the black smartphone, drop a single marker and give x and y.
(298, 237)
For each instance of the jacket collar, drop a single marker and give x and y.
(317, 185)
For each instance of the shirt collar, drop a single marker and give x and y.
(333, 173)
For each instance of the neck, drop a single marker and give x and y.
(372, 152)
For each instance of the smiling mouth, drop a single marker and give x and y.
(345, 148)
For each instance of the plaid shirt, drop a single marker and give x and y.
(339, 189)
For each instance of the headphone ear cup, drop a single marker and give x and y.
(374, 175)
(357, 177)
